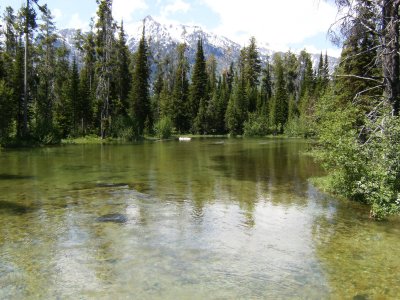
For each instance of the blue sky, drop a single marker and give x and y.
(278, 24)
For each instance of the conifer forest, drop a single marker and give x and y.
(178, 157)
(351, 113)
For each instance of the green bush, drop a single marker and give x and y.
(163, 128)
(298, 127)
(124, 127)
(362, 161)
(256, 125)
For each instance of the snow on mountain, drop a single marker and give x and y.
(164, 38)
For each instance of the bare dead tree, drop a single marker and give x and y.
(390, 52)
(384, 15)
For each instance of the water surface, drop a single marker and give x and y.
(206, 219)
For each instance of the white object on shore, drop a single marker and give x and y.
(184, 139)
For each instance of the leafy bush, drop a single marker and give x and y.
(363, 161)
(298, 127)
(256, 125)
(163, 128)
(125, 128)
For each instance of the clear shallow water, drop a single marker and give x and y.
(207, 219)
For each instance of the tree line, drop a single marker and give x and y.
(49, 93)
(353, 113)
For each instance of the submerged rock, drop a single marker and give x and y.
(113, 218)
(111, 185)
(13, 208)
(15, 177)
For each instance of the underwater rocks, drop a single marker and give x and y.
(112, 218)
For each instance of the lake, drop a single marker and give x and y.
(205, 219)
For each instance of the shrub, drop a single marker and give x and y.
(363, 161)
(256, 125)
(125, 128)
(163, 128)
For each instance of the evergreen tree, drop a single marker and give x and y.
(27, 26)
(88, 82)
(252, 64)
(139, 95)
(157, 89)
(281, 97)
(252, 71)
(290, 70)
(266, 88)
(46, 75)
(198, 89)
(180, 105)
(305, 95)
(236, 112)
(77, 105)
(326, 71)
(104, 51)
(123, 75)
(6, 102)
(63, 106)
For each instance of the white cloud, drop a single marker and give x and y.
(77, 23)
(123, 10)
(278, 23)
(57, 14)
(176, 6)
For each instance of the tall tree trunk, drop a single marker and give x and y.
(391, 57)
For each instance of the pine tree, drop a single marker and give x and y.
(6, 103)
(198, 89)
(46, 70)
(252, 62)
(358, 62)
(326, 71)
(27, 25)
(77, 105)
(290, 68)
(236, 112)
(180, 105)
(265, 91)
(281, 97)
(104, 49)
(88, 82)
(139, 95)
(306, 85)
(252, 71)
(157, 89)
(63, 107)
(18, 88)
(123, 75)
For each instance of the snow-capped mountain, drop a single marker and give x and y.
(164, 38)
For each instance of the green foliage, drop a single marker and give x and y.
(123, 78)
(363, 170)
(180, 105)
(236, 112)
(299, 127)
(281, 97)
(125, 128)
(139, 95)
(163, 128)
(198, 88)
(256, 125)
(6, 111)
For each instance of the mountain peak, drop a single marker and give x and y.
(148, 18)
